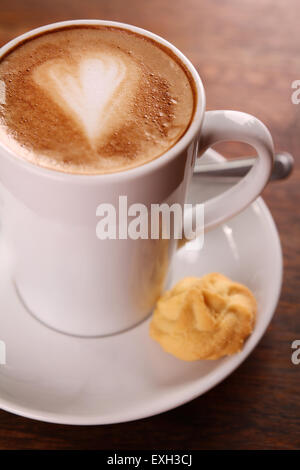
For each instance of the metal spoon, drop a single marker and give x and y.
(283, 165)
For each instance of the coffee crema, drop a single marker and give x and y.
(93, 99)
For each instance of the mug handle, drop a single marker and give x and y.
(220, 126)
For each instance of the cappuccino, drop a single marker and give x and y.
(93, 99)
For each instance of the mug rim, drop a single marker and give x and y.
(140, 170)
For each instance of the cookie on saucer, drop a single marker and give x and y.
(204, 318)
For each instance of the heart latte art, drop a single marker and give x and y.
(89, 91)
(92, 100)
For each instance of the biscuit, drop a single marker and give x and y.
(204, 318)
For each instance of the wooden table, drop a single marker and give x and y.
(248, 54)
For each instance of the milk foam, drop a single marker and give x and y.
(93, 99)
(85, 89)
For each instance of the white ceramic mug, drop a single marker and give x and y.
(65, 275)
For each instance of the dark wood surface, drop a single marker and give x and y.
(247, 53)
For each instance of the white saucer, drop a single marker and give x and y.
(53, 377)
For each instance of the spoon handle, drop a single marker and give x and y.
(283, 165)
